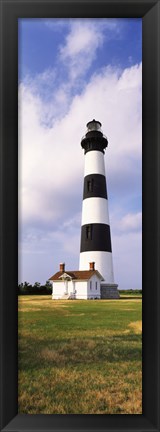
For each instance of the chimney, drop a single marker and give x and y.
(62, 267)
(91, 265)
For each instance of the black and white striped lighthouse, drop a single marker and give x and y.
(95, 228)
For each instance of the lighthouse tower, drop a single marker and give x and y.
(95, 228)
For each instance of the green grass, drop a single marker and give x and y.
(80, 357)
(134, 293)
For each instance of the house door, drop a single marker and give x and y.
(66, 286)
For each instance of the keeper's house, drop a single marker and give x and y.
(79, 284)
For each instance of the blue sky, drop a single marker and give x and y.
(70, 71)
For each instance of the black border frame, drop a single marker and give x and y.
(150, 13)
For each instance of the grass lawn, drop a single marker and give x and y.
(79, 356)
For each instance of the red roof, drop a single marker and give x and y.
(78, 274)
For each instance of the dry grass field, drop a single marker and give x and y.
(80, 357)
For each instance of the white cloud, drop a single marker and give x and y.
(82, 38)
(51, 159)
(131, 222)
(75, 56)
(81, 43)
(80, 47)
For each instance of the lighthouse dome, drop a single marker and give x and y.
(94, 125)
(94, 138)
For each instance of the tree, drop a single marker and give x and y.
(37, 288)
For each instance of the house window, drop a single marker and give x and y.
(88, 232)
(90, 285)
(90, 185)
(96, 285)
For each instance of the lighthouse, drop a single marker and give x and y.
(95, 245)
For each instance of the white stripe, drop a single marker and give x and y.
(103, 263)
(95, 210)
(94, 163)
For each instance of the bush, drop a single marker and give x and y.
(36, 289)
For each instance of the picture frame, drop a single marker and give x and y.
(10, 12)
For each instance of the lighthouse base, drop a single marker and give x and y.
(109, 291)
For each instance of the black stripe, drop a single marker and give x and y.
(95, 237)
(95, 186)
(94, 140)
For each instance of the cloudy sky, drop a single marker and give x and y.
(71, 71)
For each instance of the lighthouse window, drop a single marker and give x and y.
(88, 232)
(90, 285)
(96, 285)
(90, 185)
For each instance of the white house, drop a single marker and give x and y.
(81, 284)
